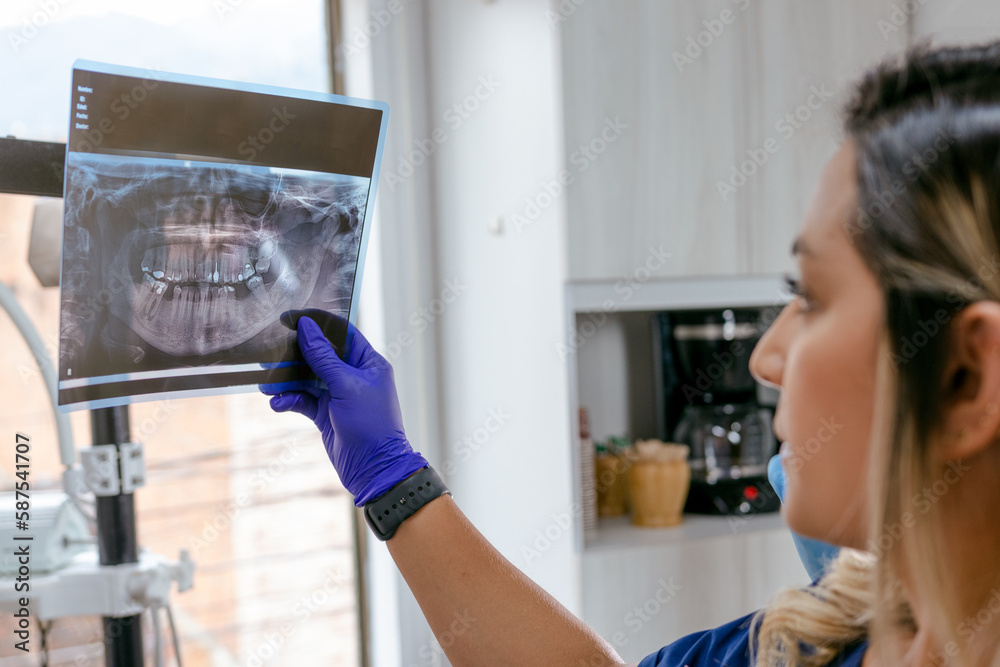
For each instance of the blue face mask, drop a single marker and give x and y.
(814, 554)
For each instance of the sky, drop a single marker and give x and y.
(13, 13)
(254, 41)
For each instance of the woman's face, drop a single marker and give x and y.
(821, 353)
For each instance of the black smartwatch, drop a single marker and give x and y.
(385, 513)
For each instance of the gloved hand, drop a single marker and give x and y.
(356, 409)
(814, 554)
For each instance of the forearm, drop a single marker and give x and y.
(482, 609)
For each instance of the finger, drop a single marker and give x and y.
(316, 391)
(360, 352)
(294, 401)
(339, 332)
(334, 326)
(320, 355)
(311, 386)
(279, 387)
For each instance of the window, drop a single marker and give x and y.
(250, 494)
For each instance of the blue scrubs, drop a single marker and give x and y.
(728, 646)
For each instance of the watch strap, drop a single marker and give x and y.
(385, 513)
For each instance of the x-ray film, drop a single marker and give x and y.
(202, 218)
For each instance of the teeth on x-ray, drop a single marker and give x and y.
(210, 257)
(256, 285)
(192, 265)
(267, 250)
(197, 283)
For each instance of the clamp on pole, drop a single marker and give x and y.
(108, 473)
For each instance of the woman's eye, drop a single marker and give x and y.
(794, 286)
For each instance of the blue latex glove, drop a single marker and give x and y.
(356, 409)
(814, 554)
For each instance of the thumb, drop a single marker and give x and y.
(360, 353)
(320, 355)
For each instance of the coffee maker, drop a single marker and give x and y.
(711, 403)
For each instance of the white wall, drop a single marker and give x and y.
(954, 21)
(498, 339)
(382, 57)
(471, 316)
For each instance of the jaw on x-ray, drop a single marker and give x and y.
(170, 265)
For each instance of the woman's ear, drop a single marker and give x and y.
(971, 382)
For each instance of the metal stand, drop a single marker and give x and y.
(36, 168)
(116, 540)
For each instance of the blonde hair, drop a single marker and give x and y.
(925, 244)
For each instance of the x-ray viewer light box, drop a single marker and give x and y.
(202, 216)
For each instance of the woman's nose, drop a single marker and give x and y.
(768, 357)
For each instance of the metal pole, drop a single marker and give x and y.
(116, 540)
(36, 168)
